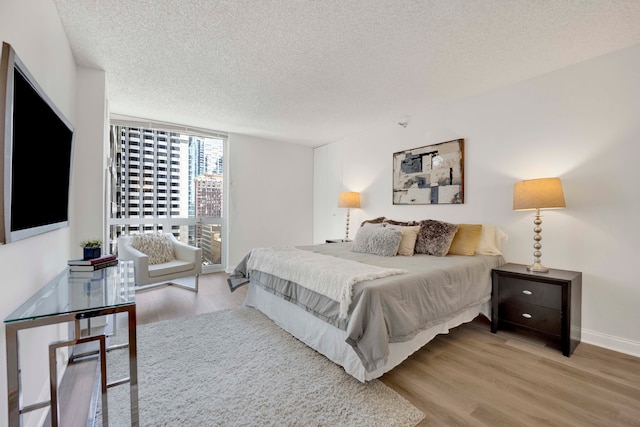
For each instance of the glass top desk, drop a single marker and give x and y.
(71, 297)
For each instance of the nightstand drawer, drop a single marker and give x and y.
(532, 316)
(530, 292)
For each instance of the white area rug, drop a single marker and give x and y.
(237, 368)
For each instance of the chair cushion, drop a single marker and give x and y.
(171, 267)
(157, 247)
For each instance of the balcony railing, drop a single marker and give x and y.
(205, 233)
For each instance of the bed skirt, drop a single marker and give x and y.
(330, 341)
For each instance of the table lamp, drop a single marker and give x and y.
(348, 199)
(536, 194)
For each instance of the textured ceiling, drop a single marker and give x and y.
(313, 71)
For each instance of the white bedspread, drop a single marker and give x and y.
(327, 275)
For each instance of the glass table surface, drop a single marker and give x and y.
(74, 292)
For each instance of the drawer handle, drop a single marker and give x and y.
(527, 315)
(527, 292)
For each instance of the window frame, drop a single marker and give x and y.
(168, 167)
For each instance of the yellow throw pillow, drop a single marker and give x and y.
(466, 239)
(408, 242)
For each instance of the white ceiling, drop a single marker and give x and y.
(314, 71)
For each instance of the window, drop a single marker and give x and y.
(174, 184)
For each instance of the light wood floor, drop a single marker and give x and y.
(469, 377)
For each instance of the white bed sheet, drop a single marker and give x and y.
(330, 341)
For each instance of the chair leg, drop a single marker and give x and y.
(193, 289)
(139, 288)
(178, 285)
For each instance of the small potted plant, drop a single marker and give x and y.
(91, 248)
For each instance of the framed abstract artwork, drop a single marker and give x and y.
(430, 175)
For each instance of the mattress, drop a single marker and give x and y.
(389, 318)
(331, 341)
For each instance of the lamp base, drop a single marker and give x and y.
(346, 233)
(537, 268)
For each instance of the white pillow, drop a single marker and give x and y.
(491, 240)
(157, 247)
(377, 239)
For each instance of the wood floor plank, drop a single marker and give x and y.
(471, 377)
(415, 380)
(78, 381)
(501, 387)
(521, 385)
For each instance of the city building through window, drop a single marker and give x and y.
(164, 180)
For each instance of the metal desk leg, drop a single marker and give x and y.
(13, 375)
(133, 366)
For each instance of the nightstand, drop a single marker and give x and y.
(544, 304)
(337, 240)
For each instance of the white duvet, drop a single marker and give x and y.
(327, 275)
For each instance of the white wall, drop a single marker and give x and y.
(90, 151)
(34, 30)
(580, 124)
(270, 195)
(327, 183)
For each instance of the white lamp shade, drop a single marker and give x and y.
(349, 199)
(542, 193)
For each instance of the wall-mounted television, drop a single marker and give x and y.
(37, 151)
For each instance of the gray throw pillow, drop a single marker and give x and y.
(377, 239)
(435, 237)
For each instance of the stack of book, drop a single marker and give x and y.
(89, 265)
(87, 276)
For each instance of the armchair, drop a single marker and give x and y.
(160, 258)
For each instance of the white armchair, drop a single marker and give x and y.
(160, 258)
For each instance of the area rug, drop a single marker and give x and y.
(237, 368)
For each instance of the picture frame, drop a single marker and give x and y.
(429, 175)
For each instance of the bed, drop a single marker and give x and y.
(402, 303)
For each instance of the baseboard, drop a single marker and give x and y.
(611, 342)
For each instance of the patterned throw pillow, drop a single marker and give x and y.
(435, 237)
(377, 239)
(157, 247)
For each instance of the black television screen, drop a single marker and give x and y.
(38, 151)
